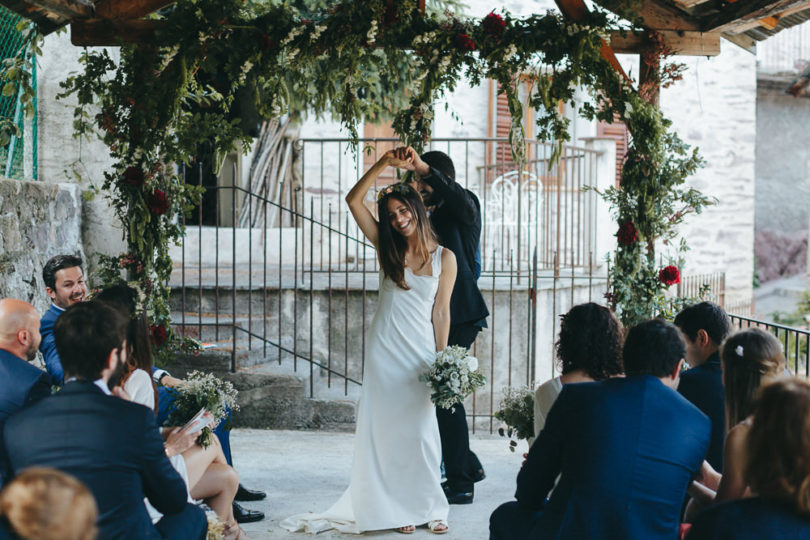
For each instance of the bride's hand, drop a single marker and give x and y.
(400, 158)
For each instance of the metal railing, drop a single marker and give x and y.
(296, 287)
(794, 341)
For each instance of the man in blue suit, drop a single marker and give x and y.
(21, 384)
(705, 326)
(110, 444)
(65, 285)
(625, 450)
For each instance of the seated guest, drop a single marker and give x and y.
(45, 504)
(20, 383)
(205, 470)
(625, 449)
(777, 469)
(705, 326)
(589, 348)
(111, 445)
(64, 283)
(751, 358)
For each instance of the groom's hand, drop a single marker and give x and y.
(415, 163)
(396, 159)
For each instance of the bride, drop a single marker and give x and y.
(395, 482)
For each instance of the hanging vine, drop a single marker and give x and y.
(155, 106)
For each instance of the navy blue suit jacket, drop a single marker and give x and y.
(703, 386)
(750, 519)
(625, 449)
(21, 384)
(457, 222)
(113, 446)
(48, 345)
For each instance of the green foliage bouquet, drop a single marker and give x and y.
(453, 376)
(201, 391)
(516, 410)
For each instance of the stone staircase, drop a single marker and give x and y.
(273, 394)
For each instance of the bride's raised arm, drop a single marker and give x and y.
(357, 194)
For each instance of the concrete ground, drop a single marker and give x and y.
(306, 471)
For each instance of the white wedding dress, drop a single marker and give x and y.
(395, 479)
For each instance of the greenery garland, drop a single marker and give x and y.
(156, 106)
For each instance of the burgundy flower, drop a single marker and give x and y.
(133, 176)
(669, 275)
(465, 42)
(627, 234)
(157, 202)
(159, 335)
(264, 41)
(494, 24)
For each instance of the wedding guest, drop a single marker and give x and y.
(64, 280)
(205, 470)
(20, 383)
(455, 214)
(751, 358)
(625, 449)
(589, 348)
(776, 468)
(45, 504)
(111, 445)
(705, 326)
(64, 284)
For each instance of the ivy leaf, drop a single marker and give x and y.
(9, 89)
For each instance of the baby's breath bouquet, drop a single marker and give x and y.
(201, 391)
(516, 410)
(453, 376)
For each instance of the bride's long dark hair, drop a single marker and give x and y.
(392, 246)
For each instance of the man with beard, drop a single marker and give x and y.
(111, 445)
(64, 283)
(21, 384)
(455, 215)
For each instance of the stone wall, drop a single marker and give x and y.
(783, 184)
(37, 221)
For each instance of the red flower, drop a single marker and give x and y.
(627, 234)
(465, 42)
(669, 275)
(133, 176)
(157, 202)
(159, 335)
(494, 24)
(264, 41)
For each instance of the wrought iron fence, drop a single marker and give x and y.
(794, 341)
(294, 288)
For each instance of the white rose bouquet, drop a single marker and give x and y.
(453, 376)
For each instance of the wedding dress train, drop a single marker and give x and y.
(395, 479)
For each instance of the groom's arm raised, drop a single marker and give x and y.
(365, 220)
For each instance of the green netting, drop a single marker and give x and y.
(21, 149)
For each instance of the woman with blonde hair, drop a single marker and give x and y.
(46, 504)
(750, 358)
(777, 468)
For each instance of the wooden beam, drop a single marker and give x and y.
(733, 17)
(660, 16)
(683, 43)
(744, 41)
(128, 9)
(769, 22)
(112, 33)
(68, 9)
(46, 21)
(689, 4)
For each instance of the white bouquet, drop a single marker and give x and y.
(453, 376)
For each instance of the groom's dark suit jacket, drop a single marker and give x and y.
(457, 222)
(111, 445)
(21, 384)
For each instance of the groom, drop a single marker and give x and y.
(455, 214)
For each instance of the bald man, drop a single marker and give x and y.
(20, 383)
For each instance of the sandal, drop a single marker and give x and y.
(407, 529)
(438, 526)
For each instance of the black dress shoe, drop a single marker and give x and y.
(243, 515)
(457, 497)
(245, 494)
(479, 475)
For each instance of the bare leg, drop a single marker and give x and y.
(198, 459)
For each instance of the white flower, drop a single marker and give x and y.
(371, 35)
(316, 32)
(454, 376)
(739, 350)
(292, 54)
(472, 363)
